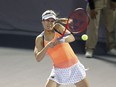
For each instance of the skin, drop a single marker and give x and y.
(83, 83)
(48, 26)
(40, 51)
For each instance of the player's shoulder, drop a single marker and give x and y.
(39, 37)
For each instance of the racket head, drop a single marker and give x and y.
(78, 21)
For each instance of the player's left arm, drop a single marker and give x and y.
(69, 37)
(62, 20)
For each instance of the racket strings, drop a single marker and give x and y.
(79, 21)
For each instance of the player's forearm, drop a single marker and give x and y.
(40, 55)
(69, 38)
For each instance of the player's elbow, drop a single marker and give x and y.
(37, 55)
(38, 59)
(72, 38)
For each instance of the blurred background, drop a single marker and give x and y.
(20, 23)
(20, 20)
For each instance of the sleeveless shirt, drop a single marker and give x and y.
(62, 54)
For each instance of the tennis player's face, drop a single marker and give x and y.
(48, 24)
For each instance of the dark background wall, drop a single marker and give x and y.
(20, 20)
(24, 16)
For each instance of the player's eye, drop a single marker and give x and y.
(50, 20)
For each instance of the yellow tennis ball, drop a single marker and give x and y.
(84, 37)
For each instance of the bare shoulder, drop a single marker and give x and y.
(39, 39)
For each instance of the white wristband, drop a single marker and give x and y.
(62, 40)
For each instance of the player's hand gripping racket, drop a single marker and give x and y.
(77, 22)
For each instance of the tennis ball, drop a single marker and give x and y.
(84, 37)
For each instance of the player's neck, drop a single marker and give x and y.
(49, 35)
(48, 32)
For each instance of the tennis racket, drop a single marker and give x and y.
(77, 22)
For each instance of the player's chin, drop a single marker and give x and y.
(49, 29)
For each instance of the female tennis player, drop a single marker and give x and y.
(67, 69)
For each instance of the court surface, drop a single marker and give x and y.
(18, 68)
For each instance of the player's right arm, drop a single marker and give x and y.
(39, 50)
(69, 38)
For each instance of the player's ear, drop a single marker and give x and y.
(42, 22)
